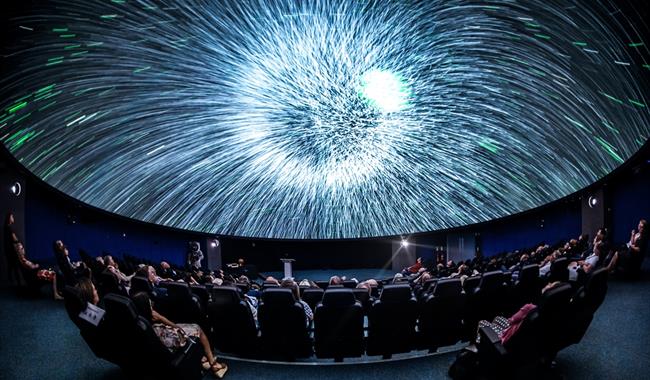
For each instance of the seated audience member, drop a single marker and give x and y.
(413, 269)
(88, 291)
(632, 256)
(271, 280)
(166, 271)
(290, 284)
(148, 272)
(587, 265)
(174, 336)
(545, 265)
(335, 280)
(71, 271)
(33, 273)
(112, 267)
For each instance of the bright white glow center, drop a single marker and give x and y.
(384, 90)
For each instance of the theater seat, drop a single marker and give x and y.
(283, 326)
(363, 296)
(527, 288)
(142, 353)
(140, 284)
(338, 325)
(95, 336)
(231, 323)
(391, 321)
(441, 315)
(486, 301)
(559, 270)
(108, 283)
(521, 356)
(312, 296)
(181, 305)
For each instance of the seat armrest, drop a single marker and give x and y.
(186, 361)
(491, 338)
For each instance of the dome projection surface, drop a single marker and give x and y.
(327, 118)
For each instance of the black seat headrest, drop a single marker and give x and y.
(529, 272)
(558, 296)
(120, 308)
(178, 289)
(396, 293)
(491, 280)
(339, 297)
(313, 290)
(448, 288)
(223, 295)
(278, 296)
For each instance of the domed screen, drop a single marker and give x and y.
(323, 119)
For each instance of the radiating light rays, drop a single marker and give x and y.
(323, 118)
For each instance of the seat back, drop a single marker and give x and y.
(363, 296)
(559, 270)
(441, 315)
(181, 305)
(201, 292)
(322, 284)
(391, 321)
(283, 325)
(312, 296)
(231, 323)
(596, 289)
(471, 283)
(108, 283)
(140, 284)
(338, 325)
(528, 287)
(487, 301)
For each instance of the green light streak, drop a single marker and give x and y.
(635, 44)
(108, 17)
(68, 35)
(78, 53)
(610, 149)
(580, 43)
(543, 36)
(53, 63)
(141, 69)
(17, 107)
(606, 124)
(638, 104)
(60, 30)
(619, 101)
(69, 47)
(45, 89)
(486, 144)
(578, 124)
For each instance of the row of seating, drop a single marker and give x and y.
(446, 313)
(129, 341)
(397, 322)
(561, 319)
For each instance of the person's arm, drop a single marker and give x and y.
(161, 319)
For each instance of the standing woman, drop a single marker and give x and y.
(10, 240)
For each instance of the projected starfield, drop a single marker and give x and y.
(323, 119)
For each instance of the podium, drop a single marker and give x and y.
(288, 270)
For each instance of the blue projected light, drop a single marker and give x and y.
(322, 119)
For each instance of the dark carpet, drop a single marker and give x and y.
(37, 341)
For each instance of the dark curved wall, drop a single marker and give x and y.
(49, 216)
